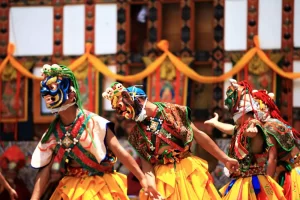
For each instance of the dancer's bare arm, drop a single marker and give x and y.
(42, 179)
(272, 160)
(11, 191)
(210, 146)
(149, 173)
(224, 127)
(125, 157)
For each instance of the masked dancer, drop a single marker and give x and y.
(82, 142)
(251, 145)
(162, 137)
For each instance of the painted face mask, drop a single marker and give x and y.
(125, 101)
(58, 82)
(239, 100)
(55, 91)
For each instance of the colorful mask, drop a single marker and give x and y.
(125, 101)
(263, 98)
(239, 99)
(58, 82)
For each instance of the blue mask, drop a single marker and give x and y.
(55, 91)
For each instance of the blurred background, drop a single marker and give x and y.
(124, 37)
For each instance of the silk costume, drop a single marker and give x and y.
(178, 174)
(288, 170)
(251, 182)
(82, 142)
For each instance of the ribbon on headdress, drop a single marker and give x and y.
(136, 92)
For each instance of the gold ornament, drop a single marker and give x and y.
(256, 66)
(10, 73)
(167, 69)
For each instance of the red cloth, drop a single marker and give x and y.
(21, 189)
(13, 154)
(133, 183)
(287, 186)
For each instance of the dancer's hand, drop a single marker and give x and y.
(251, 131)
(152, 192)
(232, 165)
(213, 120)
(13, 194)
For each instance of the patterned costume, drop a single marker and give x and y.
(179, 174)
(82, 142)
(288, 162)
(251, 182)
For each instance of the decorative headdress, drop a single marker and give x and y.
(117, 90)
(12, 158)
(61, 75)
(268, 107)
(62, 71)
(239, 99)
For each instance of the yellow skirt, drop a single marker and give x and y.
(258, 187)
(108, 187)
(292, 184)
(188, 180)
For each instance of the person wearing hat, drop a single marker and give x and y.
(162, 136)
(285, 141)
(11, 162)
(251, 145)
(82, 142)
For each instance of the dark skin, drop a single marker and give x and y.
(257, 139)
(12, 193)
(67, 117)
(200, 137)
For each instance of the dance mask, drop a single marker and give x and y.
(126, 101)
(266, 104)
(239, 99)
(58, 82)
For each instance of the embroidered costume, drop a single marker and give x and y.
(179, 174)
(251, 182)
(82, 142)
(288, 162)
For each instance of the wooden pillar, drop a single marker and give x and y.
(4, 27)
(123, 36)
(154, 27)
(90, 23)
(287, 50)
(252, 22)
(218, 52)
(187, 27)
(57, 30)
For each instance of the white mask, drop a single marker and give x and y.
(248, 107)
(143, 113)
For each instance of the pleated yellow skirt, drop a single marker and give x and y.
(109, 187)
(292, 184)
(187, 180)
(263, 188)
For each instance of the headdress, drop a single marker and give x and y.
(64, 77)
(12, 158)
(62, 71)
(117, 88)
(239, 99)
(269, 108)
(133, 93)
